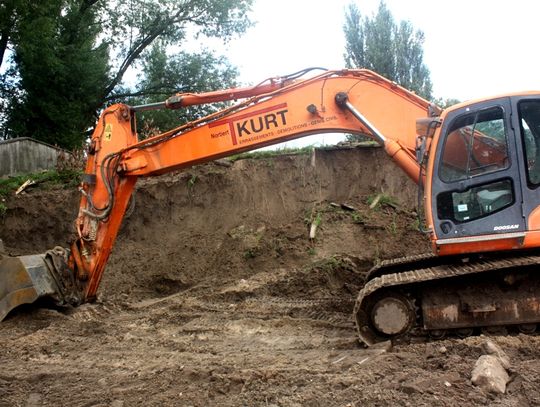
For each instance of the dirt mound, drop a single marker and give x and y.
(215, 295)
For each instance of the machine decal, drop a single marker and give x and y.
(107, 134)
(253, 123)
(506, 227)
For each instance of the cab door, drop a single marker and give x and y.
(527, 124)
(476, 187)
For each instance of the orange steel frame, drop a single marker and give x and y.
(273, 112)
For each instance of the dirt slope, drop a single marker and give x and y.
(214, 295)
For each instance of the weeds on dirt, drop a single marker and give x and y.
(328, 264)
(317, 220)
(278, 246)
(67, 178)
(382, 200)
(250, 253)
(264, 154)
(312, 216)
(355, 215)
(191, 182)
(3, 209)
(358, 218)
(415, 225)
(392, 226)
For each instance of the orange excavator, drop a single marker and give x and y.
(477, 165)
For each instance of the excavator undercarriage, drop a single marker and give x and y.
(427, 295)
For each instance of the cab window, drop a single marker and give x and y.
(529, 117)
(475, 202)
(476, 144)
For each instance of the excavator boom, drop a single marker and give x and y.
(282, 110)
(274, 111)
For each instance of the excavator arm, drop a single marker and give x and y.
(280, 109)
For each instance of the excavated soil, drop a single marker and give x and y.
(215, 296)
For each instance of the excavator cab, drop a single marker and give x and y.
(484, 172)
(482, 204)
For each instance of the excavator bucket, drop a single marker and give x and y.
(23, 280)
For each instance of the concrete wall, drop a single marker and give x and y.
(24, 155)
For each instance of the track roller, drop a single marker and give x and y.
(393, 315)
(464, 332)
(527, 328)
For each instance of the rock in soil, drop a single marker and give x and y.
(490, 375)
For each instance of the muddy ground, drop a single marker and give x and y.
(215, 296)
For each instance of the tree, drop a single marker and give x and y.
(59, 70)
(446, 103)
(7, 25)
(163, 75)
(69, 57)
(393, 50)
(136, 24)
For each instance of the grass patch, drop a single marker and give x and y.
(192, 181)
(250, 253)
(328, 264)
(392, 226)
(358, 218)
(66, 178)
(312, 216)
(258, 155)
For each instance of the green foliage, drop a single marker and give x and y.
(392, 226)
(164, 75)
(68, 57)
(250, 253)
(313, 217)
(265, 154)
(358, 218)
(51, 178)
(328, 264)
(383, 200)
(359, 138)
(132, 27)
(317, 219)
(192, 181)
(3, 209)
(7, 24)
(415, 225)
(446, 103)
(61, 71)
(393, 50)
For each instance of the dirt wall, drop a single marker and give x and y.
(270, 190)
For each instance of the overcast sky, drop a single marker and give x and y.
(473, 48)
